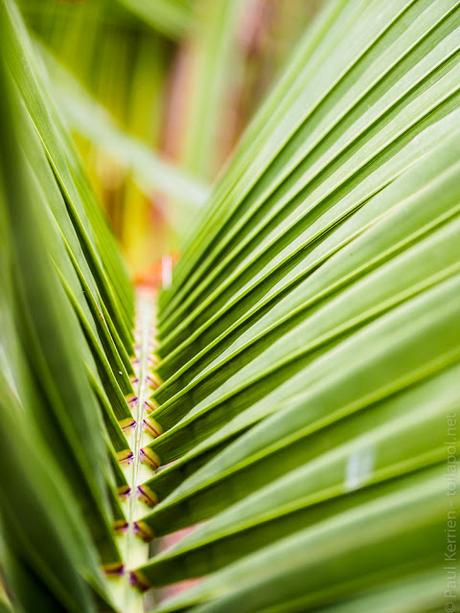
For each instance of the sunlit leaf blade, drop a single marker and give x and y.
(112, 361)
(406, 205)
(389, 440)
(311, 568)
(50, 339)
(86, 216)
(313, 323)
(74, 270)
(355, 111)
(52, 497)
(308, 345)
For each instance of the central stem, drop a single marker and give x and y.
(135, 551)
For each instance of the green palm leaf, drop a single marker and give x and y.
(298, 410)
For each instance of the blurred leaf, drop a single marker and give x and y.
(171, 17)
(213, 57)
(91, 120)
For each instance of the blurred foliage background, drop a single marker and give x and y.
(154, 89)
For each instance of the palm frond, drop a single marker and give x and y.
(298, 412)
(308, 338)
